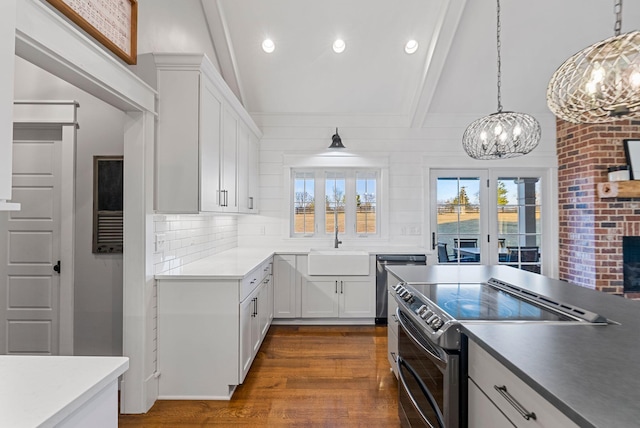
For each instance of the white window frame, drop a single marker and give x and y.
(320, 176)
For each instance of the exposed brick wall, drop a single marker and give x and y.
(591, 229)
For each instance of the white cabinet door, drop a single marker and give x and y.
(243, 168)
(247, 309)
(357, 297)
(286, 290)
(177, 147)
(265, 308)
(228, 167)
(247, 170)
(320, 297)
(254, 174)
(210, 118)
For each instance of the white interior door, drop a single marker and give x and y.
(31, 290)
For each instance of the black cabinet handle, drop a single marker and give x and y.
(502, 390)
(56, 267)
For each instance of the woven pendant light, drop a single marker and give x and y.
(504, 134)
(600, 83)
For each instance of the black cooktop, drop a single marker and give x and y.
(481, 301)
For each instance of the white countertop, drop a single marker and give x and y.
(238, 262)
(41, 391)
(230, 264)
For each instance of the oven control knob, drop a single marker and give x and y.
(436, 323)
(407, 296)
(426, 314)
(398, 287)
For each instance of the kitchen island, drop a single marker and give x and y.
(48, 391)
(590, 373)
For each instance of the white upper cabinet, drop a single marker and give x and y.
(202, 137)
(247, 171)
(229, 163)
(211, 108)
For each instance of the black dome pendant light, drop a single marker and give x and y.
(336, 141)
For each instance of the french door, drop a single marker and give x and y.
(488, 217)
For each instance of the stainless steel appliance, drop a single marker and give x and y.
(382, 260)
(430, 366)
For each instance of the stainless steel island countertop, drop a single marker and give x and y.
(590, 372)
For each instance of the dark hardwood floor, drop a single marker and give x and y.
(303, 376)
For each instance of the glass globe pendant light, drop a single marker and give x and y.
(504, 134)
(600, 83)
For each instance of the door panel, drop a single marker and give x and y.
(38, 203)
(30, 247)
(30, 291)
(30, 337)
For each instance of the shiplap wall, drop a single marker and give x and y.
(411, 153)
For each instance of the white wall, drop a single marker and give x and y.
(411, 152)
(174, 26)
(98, 277)
(181, 239)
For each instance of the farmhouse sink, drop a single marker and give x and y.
(338, 262)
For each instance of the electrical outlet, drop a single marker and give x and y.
(160, 242)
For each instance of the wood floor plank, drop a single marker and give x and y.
(303, 376)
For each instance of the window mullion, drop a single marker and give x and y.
(320, 202)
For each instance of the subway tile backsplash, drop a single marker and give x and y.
(184, 238)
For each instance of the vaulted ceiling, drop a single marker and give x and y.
(374, 80)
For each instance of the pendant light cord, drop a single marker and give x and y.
(618, 11)
(499, 62)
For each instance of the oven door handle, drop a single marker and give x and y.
(432, 402)
(437, 360)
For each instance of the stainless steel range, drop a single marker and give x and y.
(429, 340)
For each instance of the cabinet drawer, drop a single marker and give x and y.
(266, 267)
(255, 277)
(482, 412)
(489, 375)
(250, 282)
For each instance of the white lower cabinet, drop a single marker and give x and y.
(256, 313)
(286, 287)
(298, 295)
(209, 331)
(498, 397)
(338, 297)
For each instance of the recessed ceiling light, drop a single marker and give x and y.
(339, 45)
(268, 46)
(411, 47)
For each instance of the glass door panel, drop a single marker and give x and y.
(458, 219)
(519, 222)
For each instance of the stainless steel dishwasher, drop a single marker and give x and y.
(383, 260)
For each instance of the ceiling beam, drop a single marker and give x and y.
(443, 36)
(221, 40)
